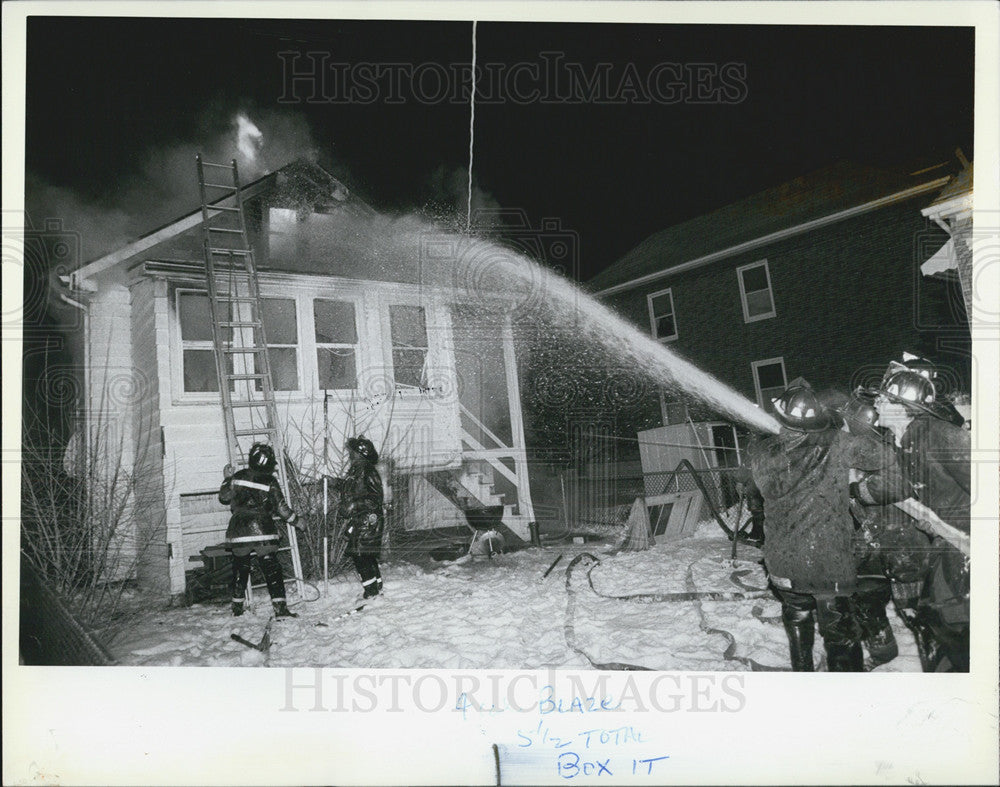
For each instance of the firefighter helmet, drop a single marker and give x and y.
(364, 448)
(800, 409)
(859, 411)
(262, 458)
(922, 366)
(910, 389)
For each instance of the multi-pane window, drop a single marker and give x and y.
(197, 353)
(769, 380)
(755, 291)
(662, 320)
(408, 329)
(282, 332)
(336, 344)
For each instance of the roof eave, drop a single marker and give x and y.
(79, 277)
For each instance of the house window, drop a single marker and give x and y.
(408, 329)
(336, 344)
(769, 380)
(755, 291)
(197, 347)
(282, 332)
(662, 321)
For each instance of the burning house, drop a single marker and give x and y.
(372, 327)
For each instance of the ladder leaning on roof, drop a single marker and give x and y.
(241, 359)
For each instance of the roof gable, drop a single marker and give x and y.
(300, 185)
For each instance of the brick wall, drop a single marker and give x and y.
(848, 298)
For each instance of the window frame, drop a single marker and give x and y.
(755, 366)
(184, 345)
(317, 345)
(652, 315)
(296, 299)
(743, 293)
(426, 307)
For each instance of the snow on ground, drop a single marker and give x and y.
(500, 613)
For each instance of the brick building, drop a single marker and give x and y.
(818, 277)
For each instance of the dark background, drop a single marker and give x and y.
(116, 107)
(105, 94)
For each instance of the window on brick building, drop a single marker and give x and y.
(755, 291)
(662, 320)
(769, 380)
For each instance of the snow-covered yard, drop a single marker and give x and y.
(501, 613)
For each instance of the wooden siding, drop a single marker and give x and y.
(413, 429)
(147, 331)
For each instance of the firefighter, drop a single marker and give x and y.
(361, 508)
(802, 473)
(255, 499)
(935, 453)
(892, 553)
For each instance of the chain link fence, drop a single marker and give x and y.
(601, 504)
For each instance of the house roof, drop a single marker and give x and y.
(958, 186)
(828, 194)
(300, 186)
(315, 226)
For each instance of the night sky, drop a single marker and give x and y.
(106, 95)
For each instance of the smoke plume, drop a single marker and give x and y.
(162, 186)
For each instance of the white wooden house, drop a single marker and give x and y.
(370, 330)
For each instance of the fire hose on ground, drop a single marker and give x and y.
(590, 561)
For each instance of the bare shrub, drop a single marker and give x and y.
(78, 502)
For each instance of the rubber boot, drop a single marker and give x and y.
(756, 534)
(367, 566)
(800, 627)
(844, 657)
(273, 576)
(281, 610)
(241, 574)
(870, 602)
(882, 646)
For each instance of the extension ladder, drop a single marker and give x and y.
(246, 387)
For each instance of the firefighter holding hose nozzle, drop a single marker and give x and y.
(802, 473)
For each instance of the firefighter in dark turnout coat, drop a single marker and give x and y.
(361, 508)
(803, 474)
(893, 554)
(935, 456)
(255, 498)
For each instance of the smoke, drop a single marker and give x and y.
(448, 198)
(163, 186)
